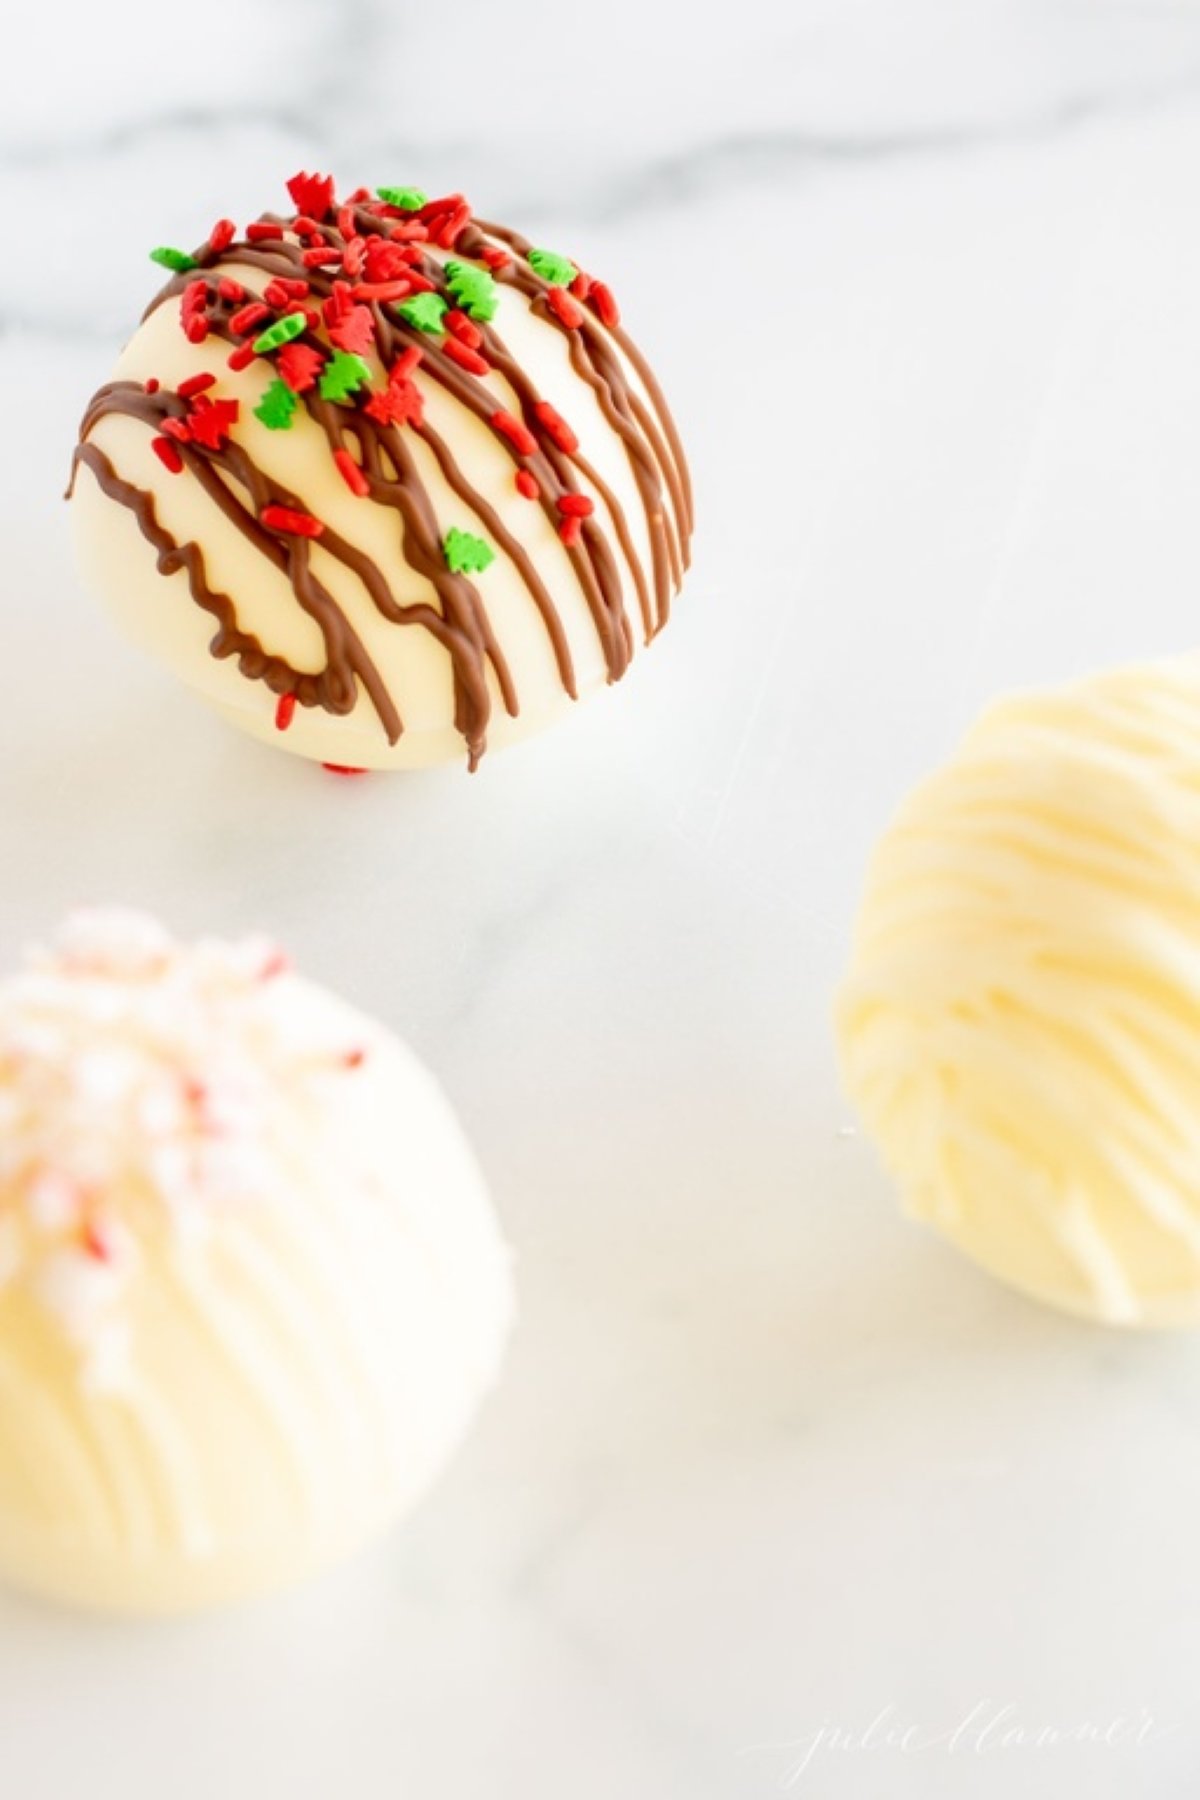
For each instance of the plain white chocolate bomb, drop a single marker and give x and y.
(1020, 1026)
(536, 439)
(251, 1286)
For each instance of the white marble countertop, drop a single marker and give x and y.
(778, 1495)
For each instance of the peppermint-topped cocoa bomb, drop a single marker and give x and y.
(251, 1285)
(385, 483)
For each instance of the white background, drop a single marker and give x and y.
(922, 278)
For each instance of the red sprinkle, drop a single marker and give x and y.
(195, 384)
(167, 454)
(339, 302)
(323, 258)
(230, 290)
(209, 421)
(195, 328)
(444, 203)
(284, 713)
(311, 193)
(275, 294)
(345, 222)
(242, 357)
(569, 532)
(458, 224)
(399, 403)
(177, 429)
(97, 1242)
(247, 317)
(556, 427)
(385, 261)
(464, 329)
(581, 287)
(576, 506)
(420, 284)
(262, 231)
(564, 308)
(466, 359)
(351, 474)
(448, 227)
(404, 364)
(194, 296)
(494, 257)
(527, 485)
(343, 769)
(601, 298)
(454, 227)
(221, 235)
(299, 365)
(151, 385)
(354, 331)
(289, 519)
(354, 256)
(518, 435)
(409, 231)
(384, 290)
(305, 227)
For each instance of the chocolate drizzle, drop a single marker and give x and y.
(600, 546)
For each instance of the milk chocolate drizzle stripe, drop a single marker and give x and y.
(512, 547)
(230, 640)
(597, 573)
(593, 361)
(600, 370)
(676, 471)
(333, 687)
(596, 570)
(462, 625)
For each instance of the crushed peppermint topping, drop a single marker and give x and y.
(146, 1087)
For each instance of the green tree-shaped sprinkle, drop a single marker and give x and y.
(408, 199)
(465, 553)
(276, 407)
(555, 269)
(425, 311)
(343, 375)
(473, 288)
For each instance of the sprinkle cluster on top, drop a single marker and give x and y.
(144, 1085)
(369, 258)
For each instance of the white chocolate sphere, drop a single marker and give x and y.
(251, 1286)
(1020, 1026)
(627, 467)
